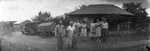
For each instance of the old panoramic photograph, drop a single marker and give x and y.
(74, 25)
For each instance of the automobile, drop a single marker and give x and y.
(25, 30)
(30, 28)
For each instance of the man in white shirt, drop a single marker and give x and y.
(104, 29)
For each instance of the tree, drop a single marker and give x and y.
(80, 7)
(42, 17)
(64, 18)
(11, 23)
(139, 12)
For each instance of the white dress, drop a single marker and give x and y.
(70, 30)
(83, 30)
(98, 30)
(92, 30)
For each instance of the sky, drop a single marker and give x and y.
(20, 10)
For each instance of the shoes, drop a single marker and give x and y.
(58, 48)
(98, 41)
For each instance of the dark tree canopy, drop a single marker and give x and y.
(64, 18)
(139, 12)
(42, 17)
(135, 8)
(115, 19)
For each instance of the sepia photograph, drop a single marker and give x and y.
(74, 25)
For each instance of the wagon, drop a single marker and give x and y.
(47, 28)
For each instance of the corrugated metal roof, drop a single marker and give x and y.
(45, 24)
(100, 9)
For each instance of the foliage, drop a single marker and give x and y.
(11, 23)
(42, 17)
(65, 19)
(140, 13)
(80, 7)
(115, 19)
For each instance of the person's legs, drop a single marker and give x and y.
(88, 32)
(69, 42)
(103, 36)
(74, 43)
(98, 39)
(59, 43)
(85, 37)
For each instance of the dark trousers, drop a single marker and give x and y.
(59, 42)
(74, 42)
(104, 35)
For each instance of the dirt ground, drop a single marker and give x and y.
(127, 42)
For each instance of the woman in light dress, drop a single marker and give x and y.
(92, 30)
(75, 36)
(98, 30)
(70, 32)
(83, 30)
(77, 25)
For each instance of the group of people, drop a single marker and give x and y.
(99, 31)
(77, 30)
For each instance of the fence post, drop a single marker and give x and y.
(149, 27)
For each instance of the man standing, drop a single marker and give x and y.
(104, 29)
(59, 32)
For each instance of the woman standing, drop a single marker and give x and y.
(98, 30)
(70, 31)
(92, 30)
(75, 36)
(84, 30)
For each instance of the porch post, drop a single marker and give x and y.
(118, 28)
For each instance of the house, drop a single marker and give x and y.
(19, 25)
(97, 11)
(16, 25)
(22, 24)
